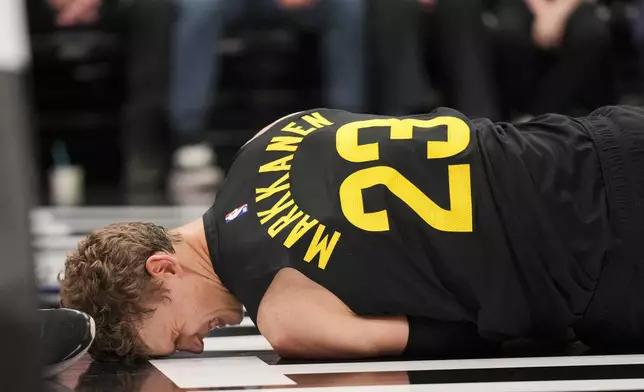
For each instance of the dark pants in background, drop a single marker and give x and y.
(200, 25)
(460, 52)
(145, 138)
(535, 81)
(450, 42)
(398, 81)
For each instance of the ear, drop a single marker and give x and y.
(161, 265)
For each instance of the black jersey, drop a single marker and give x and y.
(435, 216)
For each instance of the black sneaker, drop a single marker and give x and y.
(65, 336)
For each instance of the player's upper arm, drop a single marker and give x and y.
(302, 319)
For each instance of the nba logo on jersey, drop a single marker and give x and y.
(236, 213)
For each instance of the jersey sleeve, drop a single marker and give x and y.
(432, 338)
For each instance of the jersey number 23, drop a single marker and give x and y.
(456, 219)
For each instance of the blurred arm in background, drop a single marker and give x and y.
(550, 20)
(73, 12)
(294, 4)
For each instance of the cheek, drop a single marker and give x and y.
(184, 316)
(156, 330)
(167, 317)
(190, 316)
(196, 320)
(191, 304)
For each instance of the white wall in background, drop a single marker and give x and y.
(14, 45)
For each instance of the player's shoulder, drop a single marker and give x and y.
(439, 112)
(338, 116)
(284, 119)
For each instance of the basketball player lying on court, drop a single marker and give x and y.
(350, 235)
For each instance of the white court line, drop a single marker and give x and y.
(237, 343)
(523, 386)
(220, 372)
(462, 364)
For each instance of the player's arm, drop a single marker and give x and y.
(302, 319)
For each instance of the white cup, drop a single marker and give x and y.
(66, 185)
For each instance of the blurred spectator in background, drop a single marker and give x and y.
(188, 37)
(199, 26)
(635, 20)
(549, 51)
(146, 29)
(398, 83)
(461, 54)
(452, 35)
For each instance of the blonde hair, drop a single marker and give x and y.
(106, 277)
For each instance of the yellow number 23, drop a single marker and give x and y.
(457, 219)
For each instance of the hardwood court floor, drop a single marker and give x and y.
(238, 358)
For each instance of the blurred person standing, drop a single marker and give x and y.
(446, 38)
(460, 52)
(549, 52)
(146, 36)
(635, 22)
(398, 84)
(195, 68)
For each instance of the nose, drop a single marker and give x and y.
(193, 345)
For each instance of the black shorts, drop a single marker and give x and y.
(615, 316)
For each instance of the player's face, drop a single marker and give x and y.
(182, 323)
(170, 329)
